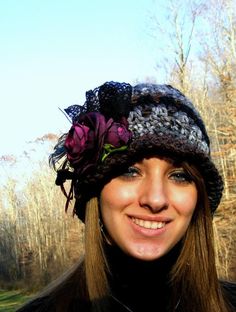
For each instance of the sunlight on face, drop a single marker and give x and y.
(147, 210)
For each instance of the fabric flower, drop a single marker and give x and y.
(117, 135)
(76, 141)
(85, 139)
(88, 137)
(117, 138)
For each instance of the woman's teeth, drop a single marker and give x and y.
(149, 224)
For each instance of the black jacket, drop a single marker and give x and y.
(136, 286)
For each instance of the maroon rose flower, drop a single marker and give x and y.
(89, 135)
(117, 135)
(85, 140)
(75, 142)
(97, 128)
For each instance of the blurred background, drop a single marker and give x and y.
(52, 52)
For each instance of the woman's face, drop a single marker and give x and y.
(147, 210)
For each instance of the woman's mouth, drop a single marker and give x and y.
(154, 225)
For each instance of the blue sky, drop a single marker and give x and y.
(52, 51)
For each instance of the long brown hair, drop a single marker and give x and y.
(193, 278)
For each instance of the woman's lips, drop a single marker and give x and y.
(149, 225)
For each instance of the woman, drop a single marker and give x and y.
(140, 168)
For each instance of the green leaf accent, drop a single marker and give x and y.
(110, 149)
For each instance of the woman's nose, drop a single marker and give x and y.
(153, 195)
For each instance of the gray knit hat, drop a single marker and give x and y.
(119, 125)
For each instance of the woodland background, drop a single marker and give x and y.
(38, 241)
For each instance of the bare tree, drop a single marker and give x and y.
(219, 46)
(197, 49)
(177, 37)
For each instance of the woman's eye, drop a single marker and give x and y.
(131, 172)
(180, 176)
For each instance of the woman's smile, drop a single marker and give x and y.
(148, 208)
(148, 228)
(152, 225)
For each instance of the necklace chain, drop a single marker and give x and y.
(128, 309)
(121, 303)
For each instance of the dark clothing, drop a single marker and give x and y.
(136, 286)
(141, 285)
(229, 290)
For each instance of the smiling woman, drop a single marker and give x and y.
(139, 163)
(147, 210)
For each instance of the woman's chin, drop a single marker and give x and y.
(146, 252)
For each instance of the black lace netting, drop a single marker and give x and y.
(112, 99)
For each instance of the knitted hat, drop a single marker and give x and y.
(119, 125)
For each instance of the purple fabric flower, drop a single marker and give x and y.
(75, 141)
(117, 135)
(87, 137)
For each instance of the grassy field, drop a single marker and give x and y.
(11, 300)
